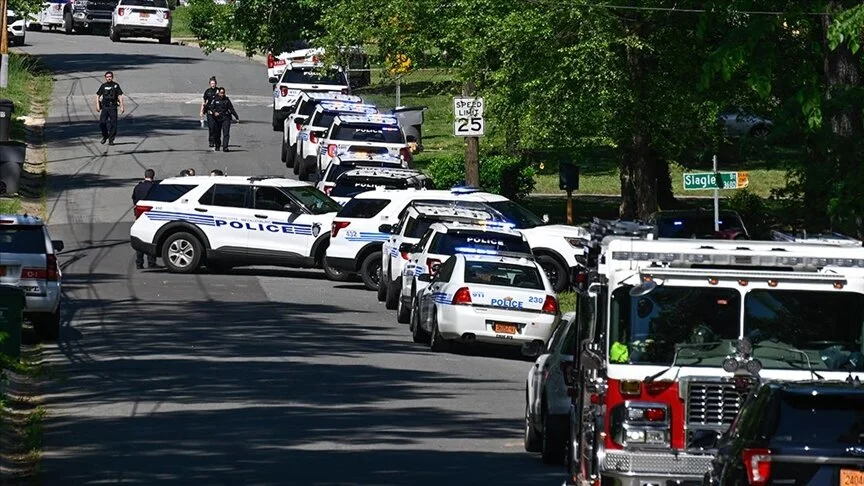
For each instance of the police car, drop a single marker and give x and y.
(16, 28)
(304, 77)
(343, 182)
(379, 134)
(224, 222)
(443, 240)
(366, 221)
(413, 223)
(348, 161)
(305, 107)
(277, 64)
(311, 132)
(484, 298)
(141, 18)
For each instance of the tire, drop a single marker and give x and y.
(335, 274)
(301, 171)
(436, 342)
(553, 441)
(284, 154)
(403, 312)
(113, 35)
(391, 301)
(382, 287)
(296, 159)
(370, 271)
(182, 253)
(277, 123)
(555, 271)
(47, 326)
(533, 439)
(166, 39)
(68, 26)
(418, 334)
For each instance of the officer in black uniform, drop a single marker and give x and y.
(140, 192)
(209, 94)
(222, 111)
(108, 97)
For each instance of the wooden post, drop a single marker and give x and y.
(4, 45)
(569, 206)
(472, 148)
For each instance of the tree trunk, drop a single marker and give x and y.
(665, 196)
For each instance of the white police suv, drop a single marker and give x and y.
(443, 240)
(348, 161)
(312, 130)
(305, 107)
(494, 299)
(378, 134)
(413, 223)
(304, 77)
(344, 182)
(366, 221)
(224, 222)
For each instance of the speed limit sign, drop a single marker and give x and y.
(468, 117)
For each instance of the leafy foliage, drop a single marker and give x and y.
(211, 23)
(499, 174)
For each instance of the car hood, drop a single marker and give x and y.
(560, 230)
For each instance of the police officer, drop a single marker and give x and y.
(108, 97)
(222, 111)
(140, 192)
(209, 94)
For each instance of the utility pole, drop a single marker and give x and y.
(472, 147)
(4, 46)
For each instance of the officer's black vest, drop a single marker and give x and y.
(109, 93)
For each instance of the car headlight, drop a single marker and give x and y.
(575, 242)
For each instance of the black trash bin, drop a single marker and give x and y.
(6, 109)
(12, 305)
(411, 120)
(12, 155)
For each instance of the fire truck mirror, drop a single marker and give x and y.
(591, 357)
(644, 288)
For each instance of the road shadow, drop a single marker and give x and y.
(65, 63)
(59, 132)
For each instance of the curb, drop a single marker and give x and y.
(193, 42)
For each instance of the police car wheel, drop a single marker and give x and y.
(553, 440)
(532, 436)
(436, 342)
(370, 271)
(382, 286)
(277, 123)
(182, 253)
(284, 154)
(393, 288)
(403, 312)
(418, 334)
(296, 162)
(555, 272)
(335, 274)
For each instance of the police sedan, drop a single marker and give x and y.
(485, 298)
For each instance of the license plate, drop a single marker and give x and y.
(851, 477)
(2, 271)
(364, 150)
(504, 328)
(144, 15)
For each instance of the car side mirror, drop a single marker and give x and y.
(545, 218)
(425, 277)
(273, 80)
(533, 349)
(406, 248)
(58, 245)
(385, 228)
(591, 357)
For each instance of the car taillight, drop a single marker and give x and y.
(283, 90)
(433, 262)
(405, 255)
(52, 271)
(405, 154)
(298, 126)
(139, 210)
(271, 62)
(315, 59)
(462, 297)
(312, 138)
(550, 305)
(338, 225)
(167, 15)
(120, 11)
(345, 91)
(331, 150)
(328, 190)
(757, 463)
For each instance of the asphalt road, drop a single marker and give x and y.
(263, 376)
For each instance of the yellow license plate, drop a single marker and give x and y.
(851, 477)
(504, 328)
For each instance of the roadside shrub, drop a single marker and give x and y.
(753, 210)
(211, 23)
(500, 174)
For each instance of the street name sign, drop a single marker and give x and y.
(696, 181)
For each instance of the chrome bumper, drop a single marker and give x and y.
(643, 468)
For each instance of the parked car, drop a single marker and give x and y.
(738, 122)
(794, 433)
(698, 223)
(16, 28)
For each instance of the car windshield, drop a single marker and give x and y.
(828, 419)
(516, 214)
(503, 274)
(313, 76)
(649, 329)
(368, 133)
(480, 242)
(22, 239)
(694, 226)
(313, 199)
(349, 186)
(784, 325)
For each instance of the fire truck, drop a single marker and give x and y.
(671, 332)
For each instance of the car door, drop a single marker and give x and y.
(286, 227)
(436, 291)
(227, 205)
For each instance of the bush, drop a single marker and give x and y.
(499, 174)
(753, 210)
(211, 23)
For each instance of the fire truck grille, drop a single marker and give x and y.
(657, 463)
(712, 403)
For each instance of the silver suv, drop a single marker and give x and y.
(28, 260)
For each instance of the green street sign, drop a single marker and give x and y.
(696, 181)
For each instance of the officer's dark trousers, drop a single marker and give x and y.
(211, 130)
(222, 132)
(108, 122)
(139, 259)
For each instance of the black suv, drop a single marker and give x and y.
(794, 433)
